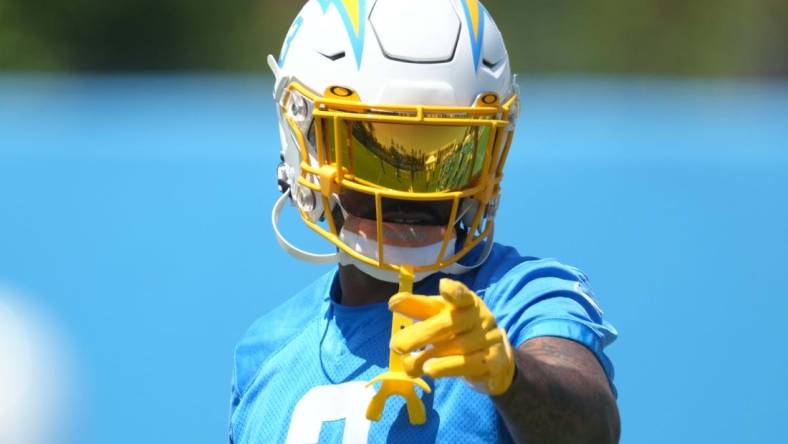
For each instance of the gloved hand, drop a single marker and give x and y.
(461, 337)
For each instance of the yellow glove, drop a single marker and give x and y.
(463, 338)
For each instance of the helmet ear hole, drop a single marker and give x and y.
(281, 177)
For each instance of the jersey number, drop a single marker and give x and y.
(327, 403)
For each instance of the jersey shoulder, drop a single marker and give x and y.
(274, 330)
(505, 263)
(534, 297)
(507, 273)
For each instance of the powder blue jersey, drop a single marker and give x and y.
(300, 371)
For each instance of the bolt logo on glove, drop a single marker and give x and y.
(461, 338)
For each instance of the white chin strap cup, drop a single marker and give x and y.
(291, 249)
(345, 259)
(455, 269)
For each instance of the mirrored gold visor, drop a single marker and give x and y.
(413, 153)
(408, 157)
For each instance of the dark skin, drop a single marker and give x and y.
(560, 393)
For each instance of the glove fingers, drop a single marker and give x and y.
(469, 366)
(416, 306)
(436, 329)
(471, 342)
(464, 344)
(457, 293)
(413, 363)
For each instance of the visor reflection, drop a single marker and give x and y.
(414, 158)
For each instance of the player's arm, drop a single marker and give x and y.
(549, 391)
(560, 394)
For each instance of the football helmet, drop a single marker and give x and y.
(394, 100)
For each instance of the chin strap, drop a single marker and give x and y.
(292, 249)
(393, 277)
(345, 259)
(377, 273)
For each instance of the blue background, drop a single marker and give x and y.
(136, 211)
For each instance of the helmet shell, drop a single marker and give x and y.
(425, 52)
(391, 52)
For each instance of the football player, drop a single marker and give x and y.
(396, 118)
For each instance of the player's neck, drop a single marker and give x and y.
(358, 288)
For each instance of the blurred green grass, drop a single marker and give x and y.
(697, 38)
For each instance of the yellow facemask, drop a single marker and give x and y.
(426, 154)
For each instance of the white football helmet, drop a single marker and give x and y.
(411, 100)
